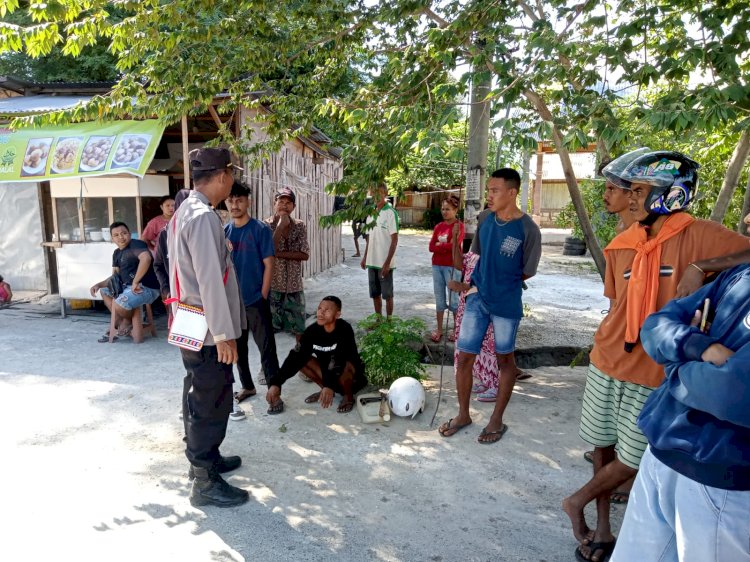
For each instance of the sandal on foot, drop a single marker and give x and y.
(495, 436)
(588, 456)
(244, 394)
(619, 498)
(522, 376)
(436, 336)
(489, 395)
(478, 388)
(105, 339)
(606, 549)
(276, 408)
(345, 406)
(312, 398)
(446, 427)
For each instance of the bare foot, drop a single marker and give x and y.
(581, 530)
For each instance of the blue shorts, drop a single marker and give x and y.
(130, 300)
(476, 320)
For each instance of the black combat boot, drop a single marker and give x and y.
(209, 488)
(224, 464)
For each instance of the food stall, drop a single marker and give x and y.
(96, 174)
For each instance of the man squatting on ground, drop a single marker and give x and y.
(327, 354)
(201, 266)
(251, 244)
(380, 251)
(511, 247)
(291, 249)
(131, 262)
(643, 265)
(691, 500)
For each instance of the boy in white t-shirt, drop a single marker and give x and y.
(380, 252)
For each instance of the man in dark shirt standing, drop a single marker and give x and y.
(252, 252)
(328, 355)
(131, 262)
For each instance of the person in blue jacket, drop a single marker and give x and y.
(691, 500)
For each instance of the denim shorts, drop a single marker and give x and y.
(441, 274)
(130, 300)
(476, 320)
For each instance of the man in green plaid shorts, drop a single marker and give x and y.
(644, 265)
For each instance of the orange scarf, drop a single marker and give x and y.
(643, 287)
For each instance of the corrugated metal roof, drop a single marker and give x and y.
(25, 105)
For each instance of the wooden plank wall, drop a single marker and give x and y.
(293, 167)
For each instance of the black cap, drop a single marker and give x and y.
(209, 159)
(286, 192)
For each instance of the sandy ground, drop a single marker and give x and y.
(93, 462)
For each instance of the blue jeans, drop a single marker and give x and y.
(474, 324)
(671, 518)
(130, 300)
(441, 274)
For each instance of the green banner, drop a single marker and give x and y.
(78, 150)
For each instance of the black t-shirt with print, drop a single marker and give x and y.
(127, 260)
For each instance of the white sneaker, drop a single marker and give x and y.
(238, 414)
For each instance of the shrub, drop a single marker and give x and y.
(390, 349)
(602, 222)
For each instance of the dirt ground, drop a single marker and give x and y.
(94, 468)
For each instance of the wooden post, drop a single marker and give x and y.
(185, 151)
(536, 202)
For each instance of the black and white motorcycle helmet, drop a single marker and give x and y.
(673, 177)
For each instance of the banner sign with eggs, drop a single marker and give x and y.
(78, 150)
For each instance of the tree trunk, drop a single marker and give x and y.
(731, 178)
(476, 158)
(570, 179)
(742, 227)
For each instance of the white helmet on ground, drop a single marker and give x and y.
(406, 397)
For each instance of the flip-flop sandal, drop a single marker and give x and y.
(478, 388)
(435, 337)
(588, 456)
(244, 394)
(446, 427)
(312, 398)
(345, 407)
(499, 434)
(276, 408)
(522, 376)
(605, 547)
(619, 498)
(489, 395)
(105, 339)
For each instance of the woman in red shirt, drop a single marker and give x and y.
(443, 271)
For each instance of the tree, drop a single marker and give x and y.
(550, 57)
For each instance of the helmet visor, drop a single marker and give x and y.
(616, 171)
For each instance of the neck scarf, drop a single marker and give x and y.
(643, 287)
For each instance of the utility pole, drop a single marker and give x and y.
(476, 169)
